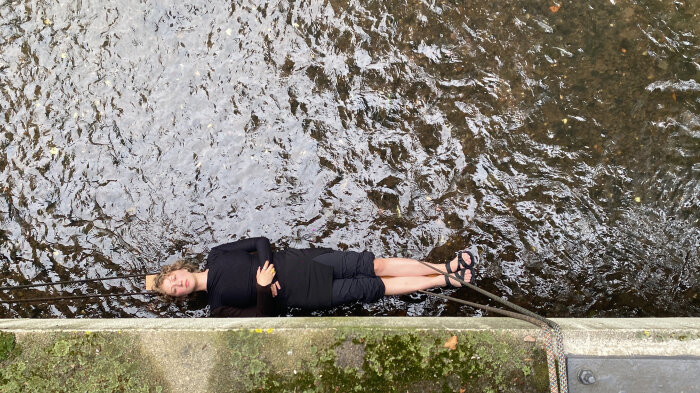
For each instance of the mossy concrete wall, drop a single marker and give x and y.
(312, 354)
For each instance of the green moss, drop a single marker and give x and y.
(7, 344)
(380, 361)
(664, 336)
(77, 362)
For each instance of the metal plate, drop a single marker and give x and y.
(635, 374)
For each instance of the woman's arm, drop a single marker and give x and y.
(264, 307)
(261, 245)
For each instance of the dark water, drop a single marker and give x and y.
(565, 145)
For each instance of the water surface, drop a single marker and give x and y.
(563, 143)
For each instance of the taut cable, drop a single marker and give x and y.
(43, 299)
(14, 287)
(555, 342)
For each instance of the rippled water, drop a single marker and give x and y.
(563, 142)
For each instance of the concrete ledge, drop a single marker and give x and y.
(566, 324)
(316, 354)
(592, 336)
(188, 324)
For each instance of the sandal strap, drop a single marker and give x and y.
(474, 260)
(448, 269)
(447, 281)
(462, 262)
(460, 274)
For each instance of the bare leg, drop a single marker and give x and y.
(403, 285)
(403, 267)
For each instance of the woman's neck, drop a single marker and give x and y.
(201, 278)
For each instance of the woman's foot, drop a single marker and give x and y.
(454, 264)
(465, 270)
(451, 282)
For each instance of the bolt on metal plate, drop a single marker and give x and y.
(633, 374)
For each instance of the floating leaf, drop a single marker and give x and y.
(564, 121)
(554, 8)
(53, 151)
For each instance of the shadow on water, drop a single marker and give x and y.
(563, 142)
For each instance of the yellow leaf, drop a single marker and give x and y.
(451, 343)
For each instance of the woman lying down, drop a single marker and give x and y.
(246, 279)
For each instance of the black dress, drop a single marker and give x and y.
(233, 291)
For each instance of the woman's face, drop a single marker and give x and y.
(178, 283)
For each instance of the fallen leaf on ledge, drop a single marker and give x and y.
(451, 343)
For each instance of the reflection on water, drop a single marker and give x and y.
(563, 142)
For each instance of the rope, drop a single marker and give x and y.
(555, 341)
(9, 288)
(43, 299)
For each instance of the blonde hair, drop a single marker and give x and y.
(165, 272)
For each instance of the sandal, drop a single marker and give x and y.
(463, 267)
(461, 263)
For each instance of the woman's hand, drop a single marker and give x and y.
(275, 287)
(265, 274)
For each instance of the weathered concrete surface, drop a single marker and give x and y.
(325, 354)
(631, 336)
